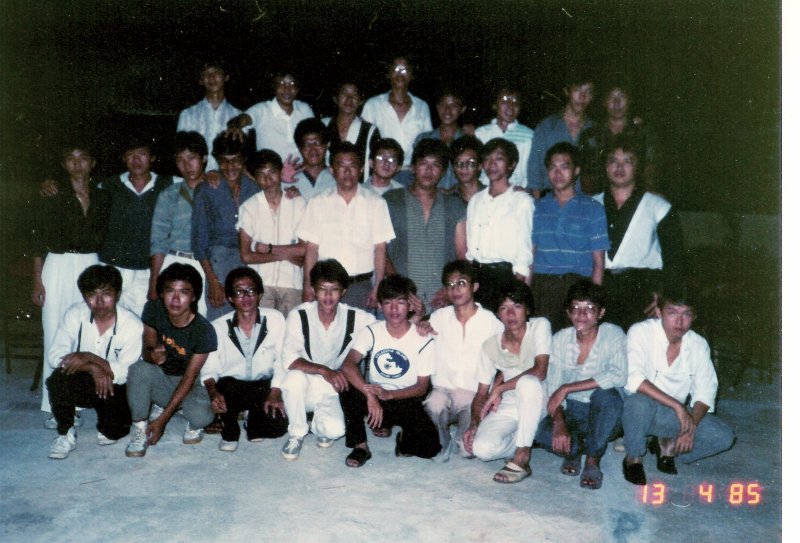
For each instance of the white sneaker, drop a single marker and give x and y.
(291, 449)
(102, 440)
(138, 445)
(324, 442)
(619, 446)
(228, 446)
(51, 423)
(62, 445)
(192, 436)
(155, 412)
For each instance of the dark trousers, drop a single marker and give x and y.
(78, 390)
(493, 282)
(590, 425)
(420, 437)
(629, 293)
(549, 294)
(249, 396)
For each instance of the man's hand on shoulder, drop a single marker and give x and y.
(48, 188)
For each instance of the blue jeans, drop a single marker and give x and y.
(643, 416)
(590, 425)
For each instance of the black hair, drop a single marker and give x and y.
(192, 142)
(431, 147)
(395, 286)
(464, 143)
(310, 126)
(345, 147)
(68, 148)
(262, 158)
(242, 272)
(227, 145)
(583, 290)
(137, 141)
(627, 145)
(214, 63)
(181, 272)
(329, 271)
(464, 267)
(518, 292)
(450, 91)
(508, 148)
(562, 148)
(676, 294)
(390, 144)
(99, 275)
(278, 76)
(577, 74)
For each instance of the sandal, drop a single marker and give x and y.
(512, 473)
(571, 466)
(591, 477)
(357, 458)
(381, 432)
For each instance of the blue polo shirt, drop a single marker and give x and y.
(566, 236)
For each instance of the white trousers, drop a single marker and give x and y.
(514, 423)
(303, 393)
(201, 297)
(60, 279)
(135, 284)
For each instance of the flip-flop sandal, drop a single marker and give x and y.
(591, 477)
(512, 473)
(571, 467)
(358, 456)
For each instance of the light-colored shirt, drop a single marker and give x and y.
(537, 341)
(380, 112)
(380, 191)
(324, 181)
(172, 220)
(522, 138)
(120, 345)
(692, 372)
(458, 348)
(234, 359)
(607, 362)
(499, 229)
(275, 129)
(209, 122)
(549, 131)
(345, 231)
(326, 343)
(278, 227)
(395, 363)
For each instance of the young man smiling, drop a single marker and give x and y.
(176, 344)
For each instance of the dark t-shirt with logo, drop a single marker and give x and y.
(197, 337)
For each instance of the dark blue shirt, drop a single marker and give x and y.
(215, 215)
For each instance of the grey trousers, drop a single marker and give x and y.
(147, 383)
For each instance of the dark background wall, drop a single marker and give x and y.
(706, 74)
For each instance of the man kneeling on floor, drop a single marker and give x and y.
(668, 363)
(317, 336)
(514, 362)
(176, 343)
(399, 366)
(244, 373)
(95, 343)
(587, 367)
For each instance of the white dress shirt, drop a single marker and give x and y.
(537, 341)
(203, 118)
(275, 129)
(518, 134)
(499, 229)
(380, 112)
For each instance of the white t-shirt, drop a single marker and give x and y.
(395, 363)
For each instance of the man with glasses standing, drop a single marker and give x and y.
(385, 160)
(569, 237)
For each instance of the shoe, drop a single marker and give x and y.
(102, 440)
(357, 458)
(619, 445)
(291, 449)
(324, 442)
(634, 473)
(52, 424)
(63, 445)
(191, 435)
(664, 464)
(138, 444)
(228, 446)
(398, 441)
(215, 427)
(155, 412)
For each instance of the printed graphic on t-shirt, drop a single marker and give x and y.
(170, 343)
(391, 363)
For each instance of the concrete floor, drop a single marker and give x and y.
(197, 493)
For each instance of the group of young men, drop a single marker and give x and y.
(309, 258)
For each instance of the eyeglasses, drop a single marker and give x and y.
(313, 143)
(387, 159)
(287, 83)
(513, 100)
(470, 164)
(400, 69)
(242, 292)
(459, 283)
(328, 290)
(589, 309)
